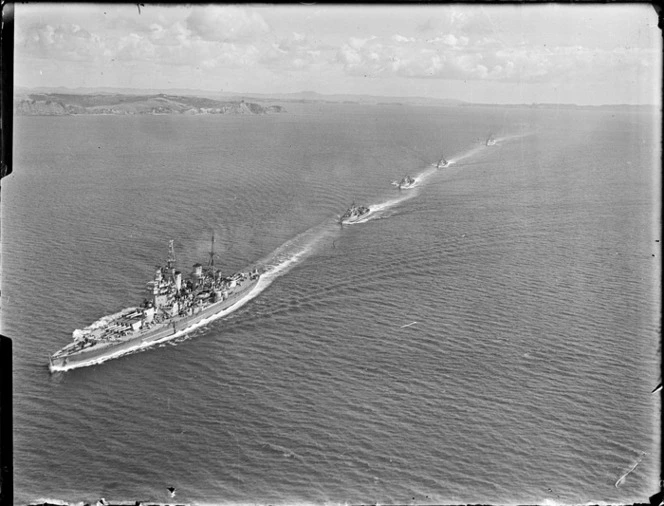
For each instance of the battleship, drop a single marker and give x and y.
(405, 184)
(353, 214)
(174, 307)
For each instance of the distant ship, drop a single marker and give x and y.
(353, 214)
(405, 184)
(442, 163)
(490, 141)
(175, 306)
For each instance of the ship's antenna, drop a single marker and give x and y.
(171, 254)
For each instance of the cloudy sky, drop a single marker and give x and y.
(593, 54)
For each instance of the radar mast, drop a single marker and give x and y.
(171, 255)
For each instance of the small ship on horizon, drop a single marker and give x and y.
(442, 163)
(406, 183)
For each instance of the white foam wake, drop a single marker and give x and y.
(280, 262)
(258, 287)
(420, 179)
(285, 258)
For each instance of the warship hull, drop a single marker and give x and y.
(405, 184)
(161, 332)
(354, 219)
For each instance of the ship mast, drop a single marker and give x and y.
(171, 255)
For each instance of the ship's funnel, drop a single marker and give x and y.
(149, 314)
(198, 270)
(178, 280)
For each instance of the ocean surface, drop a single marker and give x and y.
(491, 335)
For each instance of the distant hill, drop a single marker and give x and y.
(312, 96)
(54, 104)
(302, 96)
(178, 100)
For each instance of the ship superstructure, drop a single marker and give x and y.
(353, 214)
(173, 307)
(442, 163)
(406, 183)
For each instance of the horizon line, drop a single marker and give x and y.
(303, 92)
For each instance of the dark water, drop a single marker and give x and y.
(528, 268)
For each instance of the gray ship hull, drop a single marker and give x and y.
(355, 218)
(172, 328)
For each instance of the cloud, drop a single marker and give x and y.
(457, 56)
(449, 40)
(294, 51)
(209, 36)
(173, 35)
(64, 41)
(226, 23)
(401, 38)
(357, 42)
(231, 55)
(479, 43)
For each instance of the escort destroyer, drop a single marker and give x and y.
(174, 307)
(353, 214)
(442, 163)
(406, 183)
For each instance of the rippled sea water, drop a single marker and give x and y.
(488, 336)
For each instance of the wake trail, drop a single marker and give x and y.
(296, 250)
(471, 152)
(421, 179)
(292, 253)
(511, 137)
